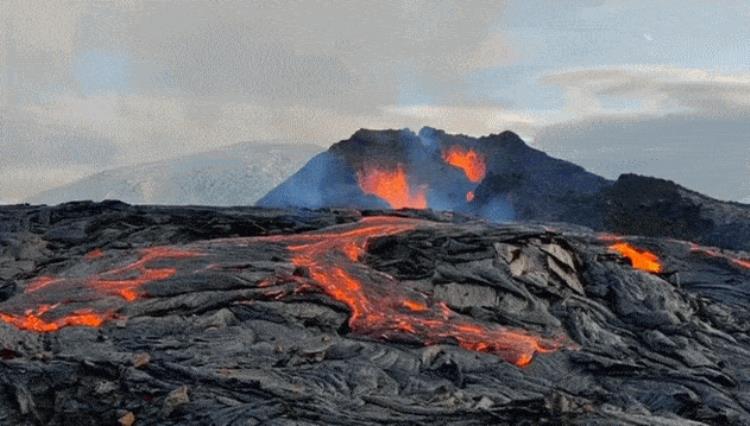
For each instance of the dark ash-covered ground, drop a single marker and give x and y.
(159, 315)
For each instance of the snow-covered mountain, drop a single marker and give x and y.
(235, 175)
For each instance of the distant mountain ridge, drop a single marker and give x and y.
(234, 175)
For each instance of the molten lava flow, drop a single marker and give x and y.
(40, 283)
(382, 308)
(643, 260)
(125, 282)
(392, 186)
(129, 288)
(32, 319)
(714, 252)
(468, 160)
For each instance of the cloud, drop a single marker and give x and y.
(36, 153)
(657, 89)
(346, 55)
(688, 125)
(97, 85)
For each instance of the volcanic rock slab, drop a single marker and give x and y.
(163, 315)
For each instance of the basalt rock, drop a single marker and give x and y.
(164, 315)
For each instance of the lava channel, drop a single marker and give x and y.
(382, 308)
(50, 303)
(714, 252)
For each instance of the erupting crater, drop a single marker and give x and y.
(470, 161)
(392, 186)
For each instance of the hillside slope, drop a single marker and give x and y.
(236, 175)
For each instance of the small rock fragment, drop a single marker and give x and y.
(127, 419)
(175, 398)
(141, 359)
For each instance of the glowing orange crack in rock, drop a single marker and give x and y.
(383, 308)
(640, 259)
(127, 288)
(714, 252)
(32, 319)
(380, 306)
(40, 283)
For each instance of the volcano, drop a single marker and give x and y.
(436, 170)
(500, 178)
(111, 313)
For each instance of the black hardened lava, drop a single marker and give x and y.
(196, 315)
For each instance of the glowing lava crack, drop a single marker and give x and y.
(640, 259)
(49, 304)
(381, 307)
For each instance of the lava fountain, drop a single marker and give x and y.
(392, 186)
(471, 162)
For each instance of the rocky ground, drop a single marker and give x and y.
(162, 315)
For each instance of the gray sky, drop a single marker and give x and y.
(659, 87)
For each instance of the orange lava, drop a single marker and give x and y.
(380, 306)
(714, 252)
(415, 306)
(129, 287)
(470, 196)
(125, 282)
(383, 308)
(40, 283)
(471, 162)
(641, 259)
(94, 254)
(392, 186)
(32, 319)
